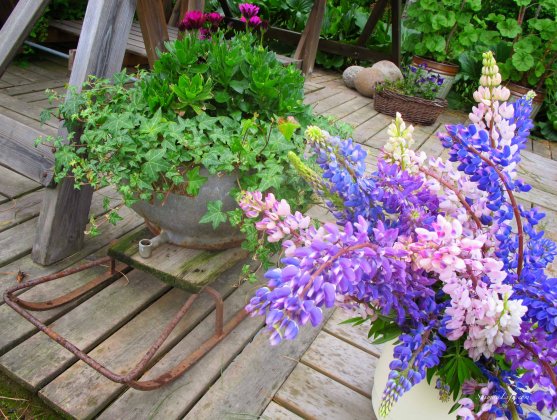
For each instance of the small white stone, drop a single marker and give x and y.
(349, 75)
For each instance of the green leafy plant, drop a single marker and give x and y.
(223, 104)
(417, 82)
(532, 40)
(442, 30)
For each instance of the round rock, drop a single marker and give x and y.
(349, 75)
(381, 71)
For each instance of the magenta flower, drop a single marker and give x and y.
(248, 10)
(214, 18)
(193, 20)
(255, 22)
(204, 33)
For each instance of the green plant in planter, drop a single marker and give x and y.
(223, 104)
(442, 30)
(533, 43)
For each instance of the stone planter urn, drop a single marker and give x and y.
(176, 219)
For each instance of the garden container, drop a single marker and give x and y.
(177, 216)
(420, 403)
(413, 110)
(518, 91)
(447, 71)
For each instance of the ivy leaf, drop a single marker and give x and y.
(288, 126)
(118, 122)
(522, 61)
(509, 28)
(195, 181)
(214, 214)
(522, 2)
(155, 164)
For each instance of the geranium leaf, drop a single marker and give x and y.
(522, 61)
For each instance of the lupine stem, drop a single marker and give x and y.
(457, 193)
(331, 261)
(514, 204)
(546, 367)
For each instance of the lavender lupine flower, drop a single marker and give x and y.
(436, 247)
(193, 20)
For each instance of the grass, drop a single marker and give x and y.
(16, 403)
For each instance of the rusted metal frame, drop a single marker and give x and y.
(112, 273)
(221, 330)
(53, 303)
(192, 358)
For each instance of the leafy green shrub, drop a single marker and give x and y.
(442, 30)
(221, 104)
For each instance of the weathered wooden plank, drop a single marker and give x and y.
(17, 27)
(28, 121)
(360, 116)
(319, 95)
(13, 184)
(153, 27)
(23, 108)
(347, 108)
(553, 147)
(36, 361)
(355, 335)
(39, 96)
(342, 362)
(20, 70)
(432, 146)
(21, 155)
(40, 86)
(16, 242)
(541, 147)
(538, 171)
(189, 269)
(71, 391)
(310, 87)
(371, 127)
(20, 329)
(278, 412)
(174, 400)
(325, 105)
(19, 210)
(249, 383)
(313, 395)
(107, 233)
(12, 248)
(100, 52)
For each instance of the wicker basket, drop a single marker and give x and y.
(413, 110)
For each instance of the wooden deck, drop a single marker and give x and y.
(325, 373)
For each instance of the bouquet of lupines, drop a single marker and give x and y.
(437, 254)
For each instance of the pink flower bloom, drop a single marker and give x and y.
(214, 18)
(193, 20)
(248, 10)
(254, 22)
